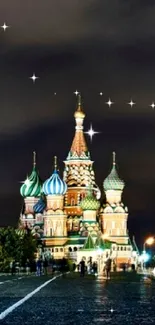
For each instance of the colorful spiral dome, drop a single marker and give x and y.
(54, 185)
(32, 185)
(90, 202)
(113, 182)
(39, 207)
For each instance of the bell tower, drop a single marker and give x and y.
(78, 172)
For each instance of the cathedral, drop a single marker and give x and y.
(66, 214)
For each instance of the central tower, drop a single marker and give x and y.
(78, 172)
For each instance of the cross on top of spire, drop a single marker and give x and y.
(34, 159)
(79, 111)
(55, 162)
(79, 101)
(114, 158)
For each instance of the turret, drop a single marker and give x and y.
(31, 190)
(113, 185)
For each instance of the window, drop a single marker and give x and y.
(51, 232)
(61, 249)
(56, 250)
(72, 201)
(70, 249)
(75, 249)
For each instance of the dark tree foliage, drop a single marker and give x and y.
(17, 245)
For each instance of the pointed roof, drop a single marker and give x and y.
(79, 147)
(113, 182)
(89, 243)
(103, 244)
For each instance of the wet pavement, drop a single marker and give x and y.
(72, 300)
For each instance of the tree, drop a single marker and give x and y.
(16, 244)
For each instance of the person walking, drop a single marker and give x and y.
(108, 268)
(45, 266)
(82, 263)
(38, 264)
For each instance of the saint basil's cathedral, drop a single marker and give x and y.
(66, 215)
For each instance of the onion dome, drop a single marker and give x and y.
(39, 207)
(54, 185)
(113, 182)
(79, 112)
(32, 185)
(90, 202)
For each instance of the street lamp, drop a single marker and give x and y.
(149, 241)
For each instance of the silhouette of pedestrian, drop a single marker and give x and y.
(45, 265)
(82, 263)
(108, 268)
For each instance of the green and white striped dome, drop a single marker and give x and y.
(32, 186)
(90, 202)
(113, 182)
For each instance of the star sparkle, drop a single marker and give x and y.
(34, 78)
(111, 310)
(109, 103)
(101, 94)
(76, 92)
(4, 26)
(153, 105)
(26, 182)
(91, 132)
(131, 103)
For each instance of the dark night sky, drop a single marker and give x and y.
(92, 46)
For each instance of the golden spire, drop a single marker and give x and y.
(79, 144)
(79, 112)
(34, 159)
(55, 162)
(114, 158)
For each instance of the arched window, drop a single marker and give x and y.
(72, 201)
(70, 249)
(75, 249)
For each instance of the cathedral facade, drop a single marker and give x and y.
(66, 215)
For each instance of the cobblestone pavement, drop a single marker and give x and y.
(72, 300)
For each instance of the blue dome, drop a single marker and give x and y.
(39, 206)
(54, 185)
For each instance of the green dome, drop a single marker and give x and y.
(113, 182)
(32, 186)
(90, 202)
